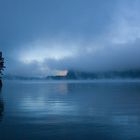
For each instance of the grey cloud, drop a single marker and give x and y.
(38, 37)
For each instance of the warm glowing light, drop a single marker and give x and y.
(62, 73)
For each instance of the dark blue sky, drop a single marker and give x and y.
(27, 20)
(42, 36)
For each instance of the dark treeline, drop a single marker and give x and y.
(78, 75)
(133, 74)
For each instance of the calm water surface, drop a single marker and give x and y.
(70, 110)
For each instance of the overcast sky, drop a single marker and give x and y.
(39, 37)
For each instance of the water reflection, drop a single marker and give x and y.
(1, 105)
(71, 111)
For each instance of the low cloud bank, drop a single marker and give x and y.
(116, 49)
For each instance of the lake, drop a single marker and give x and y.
(70, 110)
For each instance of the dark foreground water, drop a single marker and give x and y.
(70, 111)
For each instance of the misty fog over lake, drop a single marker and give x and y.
(69, 69)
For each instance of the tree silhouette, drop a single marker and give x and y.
(1, 67)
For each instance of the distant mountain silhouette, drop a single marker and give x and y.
(79, 75)
(74, 75)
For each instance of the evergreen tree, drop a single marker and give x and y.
(1, 66)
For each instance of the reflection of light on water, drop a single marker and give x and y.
(33, 104)
(40, 105)
(45, 101)
(60, 108)
(62, 88)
